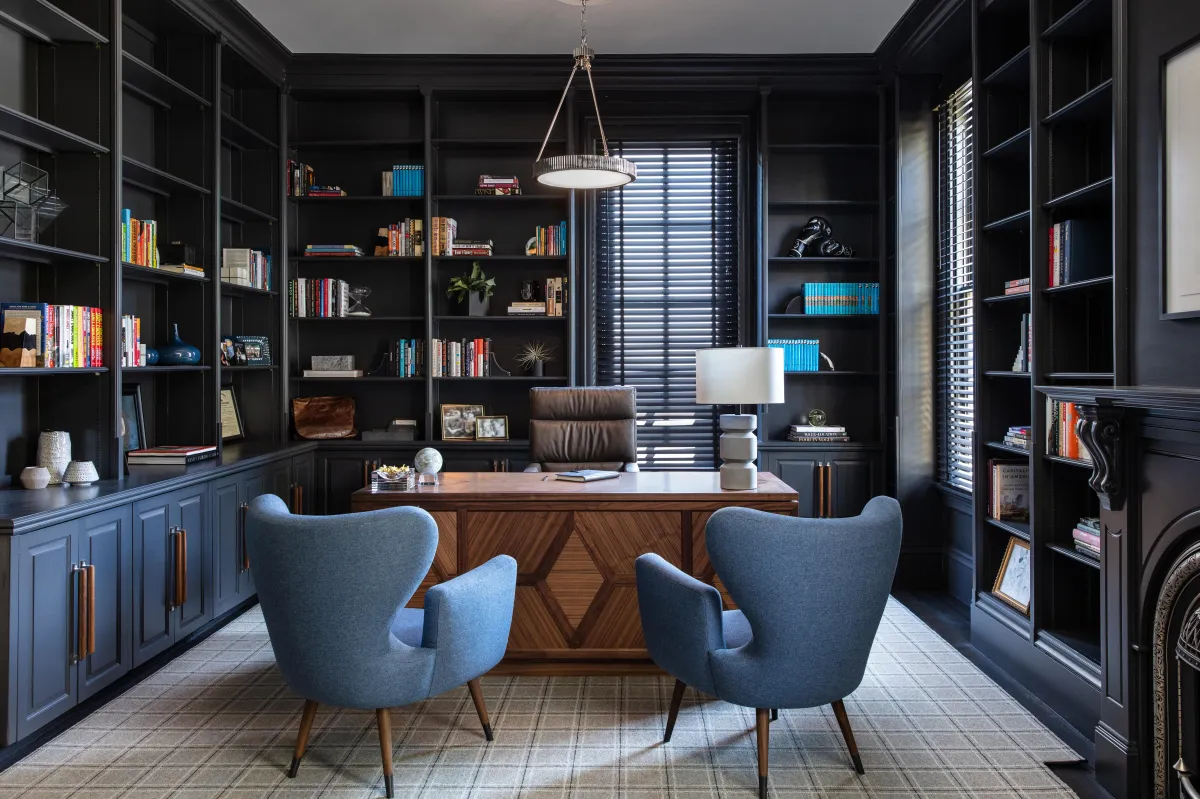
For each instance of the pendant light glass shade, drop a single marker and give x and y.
(584, 171)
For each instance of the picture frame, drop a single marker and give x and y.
(254, 350)
(228, 351)
(458, 422)
(1014, 580)
(1179, 177)
(491, 428)
(133, 421)
(231, 416)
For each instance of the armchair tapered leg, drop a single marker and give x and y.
(673, 713)
(383, 716)
(306, 722)
(764, 746)
(480, 707)
(839, 710)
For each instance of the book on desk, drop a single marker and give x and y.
(586, 475)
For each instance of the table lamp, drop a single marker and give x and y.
(739, 376)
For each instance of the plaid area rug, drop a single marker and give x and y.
(218, 722)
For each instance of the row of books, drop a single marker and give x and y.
(299, 178)
(404, 180)
(1024, 360)
(1086, 536)
(1018, 436)
(498, 185)
(325, 191)
(403, 239)
(332, 251)
(841, 298)
(474, 247)
(549, 240)
(812, 434)
(133, 351)
(1062, 439)
(1078, 251)
(799, 354)
(1018, 286)
(1010, 490)
(139, 240)
(318, 297)
(444, 231)
(245, 267)
(406, 357)
(170, 456)
(464, 358)
(61, 336)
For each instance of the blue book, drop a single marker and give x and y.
(126, 226)
(395, 180)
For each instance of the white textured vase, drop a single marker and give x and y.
(34, 477)
(81, 473)
(54, 453)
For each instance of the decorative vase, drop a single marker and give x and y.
(480, 304)
(538, 369)
(34, 477)
(81, 473)
(151, 356)
(54, 453)
(178, 353)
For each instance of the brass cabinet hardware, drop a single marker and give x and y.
(242, 536)
(183, 581)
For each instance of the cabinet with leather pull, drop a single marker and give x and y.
(73, 615)
(832, 485)
(233, 581)
(171, 560)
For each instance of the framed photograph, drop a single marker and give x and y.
(133, 423)
(231, 417)
(491, 428)
(458, 422)
(239, 353)
(256, 350)
(1180, 176)
(228, 351)
(1013, 581)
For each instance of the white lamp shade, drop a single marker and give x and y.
(739, 376)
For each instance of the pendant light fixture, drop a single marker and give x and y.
(582, 171)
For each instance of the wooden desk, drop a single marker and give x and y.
(575, 544)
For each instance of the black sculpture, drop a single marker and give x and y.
(816, 239)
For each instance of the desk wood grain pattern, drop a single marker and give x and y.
(575, 545)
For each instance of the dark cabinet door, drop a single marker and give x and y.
(227, 542)
(153, 577)
(831, 484)
(278, 481)
(48, 626)
(255, 484)
(853, 485)
(340, 475)
(189, 509)
(302, 479)
(799, 472)
(106, 545)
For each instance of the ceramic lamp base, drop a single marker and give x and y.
(739, 451)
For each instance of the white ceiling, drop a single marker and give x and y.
(751, 27)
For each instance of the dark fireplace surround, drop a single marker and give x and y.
(1145, 445)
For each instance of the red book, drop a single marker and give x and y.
(1086, 537)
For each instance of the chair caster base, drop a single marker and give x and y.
(487, 732)
(762, 787)
(389, 783)
(295, 767)
(858, 766)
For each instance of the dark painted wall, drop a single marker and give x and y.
(1164, 352)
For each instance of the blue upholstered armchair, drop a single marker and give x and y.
(333, 591)
(811, 594)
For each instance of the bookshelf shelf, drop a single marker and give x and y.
(153, 370)
(1080, 285)
(233, 289)
(149, 274)
(469, 258)
(42, 371)
(44, 137)
(243, 214)
(489, 319)
(342, 260)
(363, 379)
(157, 87)
(1019, 529)
(848, 317)
(1087, 18)
(1089, 377)
(862, 206)
(1092, 106)
(1071, 554)
(1069, 461)
(1017, 221)
(1002, 447)
(497, 143)
(47, 23)
(354, 198)
(856, 261)
(831, 373)
(156, 181)
(826, 149)
(1008, 374)
(1076, 645)
(240, 369)
(240, 136)
(355, 144)
(359, 319)
(1096, 193)
(999, 298)
(1012, 147)
(504, 379)
(842, 446)
(498, 198)
(1003, 613)
(1015, 71)
(31, 252)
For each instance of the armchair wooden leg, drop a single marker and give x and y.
(480, 707)
(839, 710)
(764, 746)
(306, 722)
(673, 713)
(383, 716)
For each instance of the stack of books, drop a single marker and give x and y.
(465, 358)
(556, 296)
(1010, 490)
(841, 299)
(532, 308)
(474, 248)
(1019, 286)
(1086, 536)
(445, 231)
(171, 456)
(549, 240)
(132, 349)
(1079, 248)
(183, 269)
(1024, 360)
(403, 239)
(63, 336)
(811, 434)
(299, 178)
(496, 185)
(404, 180)
(244, 267)
(799, 354)
(318, 298)
(332, 250)
(139, 240)
(1061, 437)
(1018, 436)
(325, 191)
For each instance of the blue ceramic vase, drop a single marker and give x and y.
(151, 356)
(177, 353)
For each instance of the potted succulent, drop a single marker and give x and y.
(477, 287)
(533, 357)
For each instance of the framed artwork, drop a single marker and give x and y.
(458, 422)
(231, 417)
(1013, 581)
(133, 423)
(253, 350)
(491, 428)
(1180, 176)
(228, 351)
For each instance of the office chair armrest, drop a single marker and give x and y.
(467, 620)
(681, 620)
(533, 467)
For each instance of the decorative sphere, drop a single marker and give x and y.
(428, 461)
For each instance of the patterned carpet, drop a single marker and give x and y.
(218, 722)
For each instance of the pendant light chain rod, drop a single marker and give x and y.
(596, 104)
(561, 100)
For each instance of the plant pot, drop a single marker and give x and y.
(177, 353)
(480, 304)
(538, 369)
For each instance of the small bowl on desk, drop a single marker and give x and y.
(393, 479)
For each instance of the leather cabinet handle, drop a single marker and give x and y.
(820, 491)
(183, 583)
(829, 491)
(81, 612)
(178, 573)
(90, 571)
(297, 500)
(245, 552)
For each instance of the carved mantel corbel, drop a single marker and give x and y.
(1100, 430)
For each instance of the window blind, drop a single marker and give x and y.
(666, 284)
(955, 290)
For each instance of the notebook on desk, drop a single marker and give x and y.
(587, 475)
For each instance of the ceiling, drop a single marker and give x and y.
(526, 27)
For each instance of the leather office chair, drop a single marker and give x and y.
(582, 428)
(333, 591)
(811, 594)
